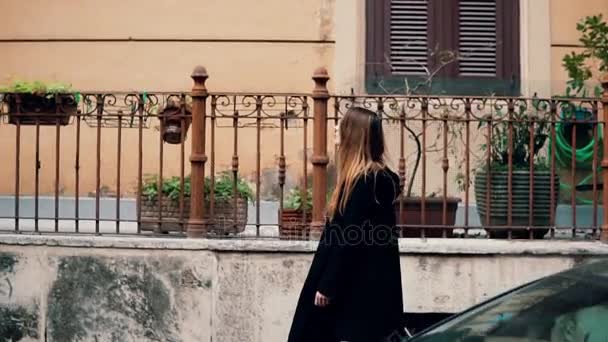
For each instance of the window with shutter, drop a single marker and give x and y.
(409, 39)
(477, 41)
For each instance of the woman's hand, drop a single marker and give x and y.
(321, 300)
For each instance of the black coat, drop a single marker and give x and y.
(357, 266)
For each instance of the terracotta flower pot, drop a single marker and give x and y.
(294, 225)
(433, 216)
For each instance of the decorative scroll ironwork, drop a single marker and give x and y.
(107, 110)
(268, 109)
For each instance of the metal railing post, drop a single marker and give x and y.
(197, 225)
(319, 159)
(604, 232)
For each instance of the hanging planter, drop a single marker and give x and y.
(172, 116)
(39, 104)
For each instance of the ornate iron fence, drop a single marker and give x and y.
(469, 166)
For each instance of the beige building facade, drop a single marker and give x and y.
(246, 46)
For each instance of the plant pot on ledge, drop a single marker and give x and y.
(411, 216)
(224, 222)
(228, 217)
(45, 110)
(295, 225)
(294, 221)
(520, 209)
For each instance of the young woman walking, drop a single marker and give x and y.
(353, 289)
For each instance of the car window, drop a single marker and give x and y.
(569, 307)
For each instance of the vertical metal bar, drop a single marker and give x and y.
(604, 232)
(594, 164)
(305, 213)
(320, 95)
(77, 177)
(552, 157)
(573, 176)
(161, 159)
(424, 109)
(510, 118)
(17, 161)
(118, 169)
(57, 159)
(445, 165)
(211, 215)
(235, 161)
(37, 180)
(17, 172)
(336, 128)
(489, 170)
(140, 156)
(258, 159)
(282, 165)
(402, 180)
(100, 108)
(531, 190)
(182, 161)
(57, 170)
(467, 177)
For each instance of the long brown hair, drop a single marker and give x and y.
(361, 152)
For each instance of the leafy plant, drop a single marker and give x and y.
(524, 151)
(296, 201)
(424, 85)
(223, 188)
(37, 88)
(594, 38)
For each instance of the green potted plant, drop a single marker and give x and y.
(230, 213)
(31, 103)
(296, 216)
(524, 154)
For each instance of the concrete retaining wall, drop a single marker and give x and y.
(135, 289)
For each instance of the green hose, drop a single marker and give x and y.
(568, 188)
(563, 150)
(584, 157)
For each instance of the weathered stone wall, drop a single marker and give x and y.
(67, 289)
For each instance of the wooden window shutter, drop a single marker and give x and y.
(443, 36)
(488, 39)
(403, 37)
(508, 34)
(377, 43)
(477, 40)
(409, 38)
